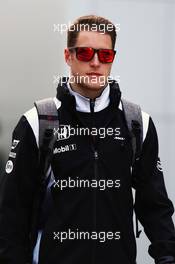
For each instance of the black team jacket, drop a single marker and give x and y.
(89, 219)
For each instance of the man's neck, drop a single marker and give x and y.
(89, 93)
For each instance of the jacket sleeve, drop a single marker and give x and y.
(17, 192)
(152, 205)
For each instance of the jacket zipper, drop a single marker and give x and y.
(92, 105)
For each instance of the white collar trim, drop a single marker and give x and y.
(83, 103)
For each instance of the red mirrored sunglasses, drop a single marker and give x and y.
(86, 54)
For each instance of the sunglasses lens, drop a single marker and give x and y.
(106, 55)
(84, 54)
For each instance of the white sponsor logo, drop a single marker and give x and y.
(117, 135)
(9, 166)
(15, 143)
(12, 155)
(65, 148)
(119, 138)
(63, 132)
(159, 165)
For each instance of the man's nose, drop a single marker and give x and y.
(95, 61)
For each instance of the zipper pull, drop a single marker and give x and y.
(92, 105)
(95, 154)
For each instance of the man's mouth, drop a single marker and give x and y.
(93, 74)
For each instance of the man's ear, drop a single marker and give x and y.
(68, 56)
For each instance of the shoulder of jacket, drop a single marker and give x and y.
(32, 118)
(145, 120)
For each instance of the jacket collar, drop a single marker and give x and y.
(71, 99)
(83, 103)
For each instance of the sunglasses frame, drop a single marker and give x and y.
(94, 51)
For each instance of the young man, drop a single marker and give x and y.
(89, 216)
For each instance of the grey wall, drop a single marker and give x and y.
(32, 53)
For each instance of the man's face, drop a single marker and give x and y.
(92, 74)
